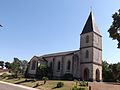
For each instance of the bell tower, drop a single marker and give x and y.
(91, 51)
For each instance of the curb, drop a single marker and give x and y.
(21, 86)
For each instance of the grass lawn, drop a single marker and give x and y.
(50, 85)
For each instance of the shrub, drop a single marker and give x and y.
(78, 88)
(83, 83)
(82, 88)
(74, 88)
(76, 81)
(13, 75)
(60, 84)
(4, 75)
(45, 78)
(118, 81)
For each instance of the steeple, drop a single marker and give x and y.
(90, 25)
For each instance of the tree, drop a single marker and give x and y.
(105, 71)
(111, 72)
(15, 67)
(2, 64)
(114, 30)
(23, 66)
(43, 71)
(7, 65)
(18, 67)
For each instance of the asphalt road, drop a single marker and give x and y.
(8, 86)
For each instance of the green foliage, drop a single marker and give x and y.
(1, 64)
(78, 88)
(15, 67)
(82, 88)
(23, 66)
(114, 29)
(111, 72)
(43, 71)
(74, 88)
(76, 81)
(83, 83)
(106, 71)
(7, 65)
(118, 81)
(18, 67)
(45, 78)
(60, 84)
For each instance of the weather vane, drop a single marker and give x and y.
(90, 8)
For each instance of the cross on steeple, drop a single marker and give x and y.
(90, 25)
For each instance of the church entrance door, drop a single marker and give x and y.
(97, 75)
(86, 74)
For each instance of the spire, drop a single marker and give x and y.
(90, 25)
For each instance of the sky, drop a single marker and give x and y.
(38, 27)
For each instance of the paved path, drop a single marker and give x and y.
(104, 86)
(9, 86)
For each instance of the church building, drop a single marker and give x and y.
(84, 63)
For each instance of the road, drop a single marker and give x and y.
(9, 86)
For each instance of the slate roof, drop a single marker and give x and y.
(90, 25)
(60, 53)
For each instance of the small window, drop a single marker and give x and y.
(68, 65)
(51, 65)
(58, 66)
(33, 65)
(87, 54)
(87, 39)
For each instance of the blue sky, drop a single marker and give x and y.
(37, 27)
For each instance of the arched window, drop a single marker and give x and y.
(68, 65)
(33, 65)
(87, 54)
(87, 39)
(58, 68)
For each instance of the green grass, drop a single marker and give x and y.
(50, 85)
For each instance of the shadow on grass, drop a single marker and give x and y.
(24, 81)
(37, 85)
(54, 87)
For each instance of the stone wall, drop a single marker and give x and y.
(30, 71)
